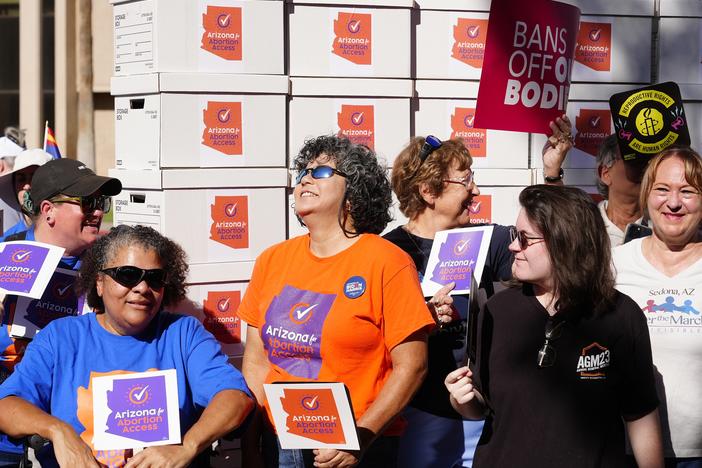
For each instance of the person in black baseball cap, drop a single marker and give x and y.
(67, 202)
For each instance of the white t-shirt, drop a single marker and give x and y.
(616, 235)
(673, 308)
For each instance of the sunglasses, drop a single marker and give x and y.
(129, 276)
(547, 353)
(522, 237)
(319, 172)
(87, 204)
(467, 181)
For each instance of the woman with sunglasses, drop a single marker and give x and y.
(564, 360)
(66, 204)
(436, 188)
(663, 274)
(129, 276)
(356, 294)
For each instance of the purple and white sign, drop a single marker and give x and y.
(292, 332)
(26, 267)
(136, 410)
(455, 255)
(59, 300)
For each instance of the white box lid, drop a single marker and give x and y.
(686, 8)
(219, 272)
(139, 178)
(451, 89)
(598, 92)
(351, 87)
(691, 92)
(503, 177)
(358, 3)
(229, 177)
(199, 82)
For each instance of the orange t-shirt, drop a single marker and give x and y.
(335, 319)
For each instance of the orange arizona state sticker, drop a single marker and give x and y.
(353, 40)
(230, 221)
(312, 413)
(475, 139)
(481, 209)
(593, 127)
(469, 41)
(357, 123)
(221, 320)
(222, 35)
(223, 130)
(594, 46)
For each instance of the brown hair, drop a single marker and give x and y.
(578, 246)
(408, 172)
(693, 170)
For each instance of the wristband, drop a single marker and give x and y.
(552, 179)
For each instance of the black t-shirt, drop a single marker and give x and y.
(569, 414)
(447, 344)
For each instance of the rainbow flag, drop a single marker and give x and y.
(50, 145)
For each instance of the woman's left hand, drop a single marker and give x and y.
(166, 456)
(332, 458)
(558, 144)
(441, 305)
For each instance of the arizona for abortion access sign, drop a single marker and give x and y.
(528, 61)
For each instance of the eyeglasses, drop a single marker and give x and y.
(129, 276)
(87, 204)
(522, 237)
(547, 353)
(466, 181)
(319, 172)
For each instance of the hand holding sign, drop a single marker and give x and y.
(441, 305)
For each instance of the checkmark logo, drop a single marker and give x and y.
(473, 31)
(311, 403)
(302, 313)
(62, 290)
(230, 210)
(595, 121)
(223, 20)
(223, 305)
(354, 26)
(21, 256)
(475, 207)
(139, 396)
(595, 34)
(223, 115)
(461, 246)
(469, 120)
(357, 118)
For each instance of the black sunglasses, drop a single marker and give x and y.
(547, 353)
(319, 172)
(129, 276)
(522, 237)
(87, 204)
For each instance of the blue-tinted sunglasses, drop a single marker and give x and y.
(319, 172)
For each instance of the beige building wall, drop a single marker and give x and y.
(102, 70)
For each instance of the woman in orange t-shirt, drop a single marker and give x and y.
(338, 304)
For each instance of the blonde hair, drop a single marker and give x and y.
(693, 170)
(408, 172)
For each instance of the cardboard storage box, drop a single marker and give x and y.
(680, 50)
(230, 121)
(212, 222)
(350, 42)
(446, 109)
(215, 36)
(371, 112)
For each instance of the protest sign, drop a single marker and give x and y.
(27, 266)
(648, 120)
(136, 410)
(58, 300)
(455, 255)
(312, 415)
(527, 65)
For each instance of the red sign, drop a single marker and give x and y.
(222, 35)
(357, 123)
(594, 49)
(223, 130)
(469, 41)
(230, 221)
(221, 320)
(593, 126)
(312, 413)
(353, 40)
(481, 209)
(528, 61)
(474, 139)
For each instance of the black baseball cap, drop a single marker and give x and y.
(72, 178)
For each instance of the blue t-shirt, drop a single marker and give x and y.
(17, 228)
(56, 370)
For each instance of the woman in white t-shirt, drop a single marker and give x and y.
(663, 274)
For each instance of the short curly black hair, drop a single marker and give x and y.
(368, 190)
(171, 255)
